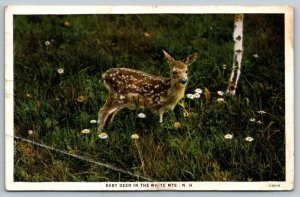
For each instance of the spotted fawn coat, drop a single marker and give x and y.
(132, 89)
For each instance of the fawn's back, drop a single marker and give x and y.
(132, 87)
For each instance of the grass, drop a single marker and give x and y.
(58, 106)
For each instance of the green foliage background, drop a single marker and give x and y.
(85, 46)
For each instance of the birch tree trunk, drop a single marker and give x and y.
(238, 54)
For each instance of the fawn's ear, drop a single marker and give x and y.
(190, 59)
(169, 57)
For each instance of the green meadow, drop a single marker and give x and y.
(59, 60)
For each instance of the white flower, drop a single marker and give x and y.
(30, 132)
(198, 90)
(103, 136)
(135, 136)
(47, 43)
(29, 95)
(249, 139)
(220, 99)
(261, 112)
(255, 56)
(220, 93)
(67, 24)
(252, 119)
(190, 96)
(224, 66)
(60, 71)
(259, 122)
(141, 115)
(85, 131)
(228, 136)
(196, 95)
(146, 34)
(93, 121)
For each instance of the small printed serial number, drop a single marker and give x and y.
(274, 185)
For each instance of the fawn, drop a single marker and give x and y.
(133, 88)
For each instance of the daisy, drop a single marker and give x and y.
(85, 131)
(30, 132)
(93, 121)
(220, 93)
(259, 122)
(67, 24)
(190, 96)
(103, 136)
(146, 34)
(135, 136)
(228, 136)
(252, 119)
(29, 95)
(198, 90)
(249, 139)
(141, 115)
(220, 99)
(261, 112)
(60, 71)
(47, 43)
(196, 95)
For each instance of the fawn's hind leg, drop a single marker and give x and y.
(105, 112)
(112, 115)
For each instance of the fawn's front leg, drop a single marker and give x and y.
(161, 113)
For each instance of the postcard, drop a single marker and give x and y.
(149, 98)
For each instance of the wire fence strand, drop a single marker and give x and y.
(85, 159)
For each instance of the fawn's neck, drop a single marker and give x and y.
(175, 93)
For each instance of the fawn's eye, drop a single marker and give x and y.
(186, 71)
(174, 72)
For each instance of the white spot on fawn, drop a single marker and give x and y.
(122, 97)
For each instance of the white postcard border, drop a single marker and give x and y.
(148, 186)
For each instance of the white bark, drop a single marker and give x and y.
(238, 54)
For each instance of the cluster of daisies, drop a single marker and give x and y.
(253, 120)
(49, 43)
(259, 122)
(60, 71)
(104, 135)
(176, 125)
(196, 95)
(199, 91)
(230, 136)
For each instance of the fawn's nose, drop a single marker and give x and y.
(183, 80)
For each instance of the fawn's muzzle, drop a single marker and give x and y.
(183, 80)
